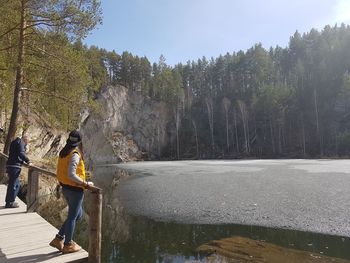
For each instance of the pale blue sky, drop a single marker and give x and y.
(185, 30)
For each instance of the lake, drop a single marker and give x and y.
(164, 211)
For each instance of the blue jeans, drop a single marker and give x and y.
(75, 211)
(13, 185)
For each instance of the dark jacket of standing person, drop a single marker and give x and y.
(17, 154)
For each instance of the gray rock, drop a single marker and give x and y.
(127, 126)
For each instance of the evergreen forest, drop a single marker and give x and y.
(291, 102)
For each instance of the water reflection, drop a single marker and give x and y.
(151, 241)
(132, 239)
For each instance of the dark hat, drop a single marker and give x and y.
(74, 138)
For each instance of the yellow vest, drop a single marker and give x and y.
(62, 169)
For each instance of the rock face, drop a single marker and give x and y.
(44, 141)
(128, 127)
(45, 144)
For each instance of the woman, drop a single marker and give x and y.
(71, 175)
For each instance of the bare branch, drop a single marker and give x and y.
(49, 94)
(7, 48)
(10, 30)
(40, 66)
(47, 53)
(4, 1)
(31, 33)
(47, 21)
(38, 24)
(48, 18)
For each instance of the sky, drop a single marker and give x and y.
(183, 30)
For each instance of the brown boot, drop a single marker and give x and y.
(71, 247)
(57, 243)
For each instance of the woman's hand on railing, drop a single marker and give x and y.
(89, 184)
(91, 187)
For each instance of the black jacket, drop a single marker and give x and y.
(17, 154)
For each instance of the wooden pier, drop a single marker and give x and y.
(25, 235)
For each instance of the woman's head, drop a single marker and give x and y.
(74, 140)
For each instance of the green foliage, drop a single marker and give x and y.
(54, 74)
(166, 83)
(97, 70)
(60, 84)
(74, 18)
(8, 41)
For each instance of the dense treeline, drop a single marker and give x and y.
(281, 102)
(286, 102)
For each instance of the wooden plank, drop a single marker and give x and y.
(22, 206)
(25, 237)
(95, 226)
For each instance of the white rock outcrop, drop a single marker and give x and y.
(127, 127)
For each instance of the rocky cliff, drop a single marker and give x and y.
(127, 127)
(45, 142)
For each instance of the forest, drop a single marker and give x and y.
(282, 102)
(279, 102)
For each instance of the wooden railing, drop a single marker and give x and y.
(95, 217)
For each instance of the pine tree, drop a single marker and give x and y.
(34, 18)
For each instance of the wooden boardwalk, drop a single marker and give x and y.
(25, 237)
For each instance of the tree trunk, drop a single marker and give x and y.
(196, 136)
(227, 140)
(177, 144)
(158, 137)
(303, 135)
(265, 132)
(177, 124)
(336, 143)
(284, 131)
(209, 103)
(272, 138)
(280, 139)
(226, 103)
(248, 136)
(244, 116)
(18, 84)
(317, 123)
(236, 131)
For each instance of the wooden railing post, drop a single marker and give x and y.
(33, 189)
(95, 225)
(2, 167)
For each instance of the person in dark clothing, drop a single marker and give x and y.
(17, 156)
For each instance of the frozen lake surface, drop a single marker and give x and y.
(308, 195)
